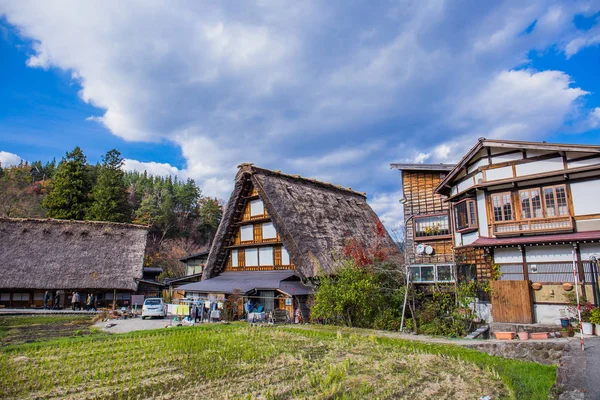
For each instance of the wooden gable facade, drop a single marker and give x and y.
(427, 219)
(256, 244)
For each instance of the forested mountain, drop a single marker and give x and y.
(182, 221)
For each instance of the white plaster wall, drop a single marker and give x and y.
(468, 238)
(234, 258)
(589, 249)
(482, 214)
(498, 173)
(549, 253)
(585, 197)
(583, 163)
(454, 189)
(478, 178)
(457, 237)
(549, 313)
(478, 164)
(506, 157)
(483, 310)
(539, 166)
(464, 185)
(535, 153)
(507, 255)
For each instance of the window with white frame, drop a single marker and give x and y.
(285, 257)
(431, 226)
(265, 256)
(252, 257)
(247, 233)
(268, 231)
(256, 208)
(234, 258)
(431, 273)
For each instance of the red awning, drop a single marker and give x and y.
(542, 239)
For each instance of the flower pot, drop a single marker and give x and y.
(523, 335)
(588, 328)
(564, 322)
(564, 334)
(505, 335)
(539, 336)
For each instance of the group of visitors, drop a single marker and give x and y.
(90, 303)
(55, 304)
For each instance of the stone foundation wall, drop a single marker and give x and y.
(546, 352)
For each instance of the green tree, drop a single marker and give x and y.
(210, 212)
(109, 196)
(69, 197)
(352, 297)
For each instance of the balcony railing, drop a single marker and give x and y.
(533, 226)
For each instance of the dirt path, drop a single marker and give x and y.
(132, 324)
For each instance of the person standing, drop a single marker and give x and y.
(77, 301)
(92, 302)
(56, 300)
(46, 299)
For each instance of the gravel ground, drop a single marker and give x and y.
(133, 324)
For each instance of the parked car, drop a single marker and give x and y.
(154, 307)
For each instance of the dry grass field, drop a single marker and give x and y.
(237, 361)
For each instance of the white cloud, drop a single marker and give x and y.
(311, 87)
(7, 159)
(390, 210)
(153, 168)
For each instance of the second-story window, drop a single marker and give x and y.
(432, 226)
(555, 201)
(502, 206)
(531, 203)
(465, 215)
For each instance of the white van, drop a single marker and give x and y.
(154, 307)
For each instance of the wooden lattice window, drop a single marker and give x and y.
(246, 215)
(258, 232)
(277, 255)
(241, 258)
(502, 206)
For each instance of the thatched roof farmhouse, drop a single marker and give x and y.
(279, 230)
(42, 254)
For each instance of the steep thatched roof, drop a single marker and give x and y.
(314, 219)
(55, 254)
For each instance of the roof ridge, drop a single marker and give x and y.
(75, 221)
(252, 168)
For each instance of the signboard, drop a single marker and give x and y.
(288, 301)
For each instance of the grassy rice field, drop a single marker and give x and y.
(238, 361)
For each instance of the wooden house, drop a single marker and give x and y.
(39, 255)
(278, 231)
(428, 247)
(194, 266)
(529, 210)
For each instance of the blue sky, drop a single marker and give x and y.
(331, 90)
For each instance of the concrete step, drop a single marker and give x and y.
(482, 332)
